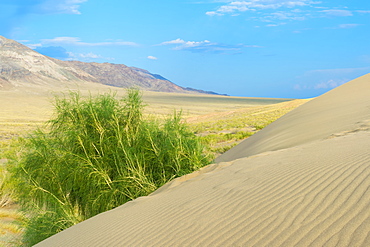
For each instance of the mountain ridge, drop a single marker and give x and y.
(20, 65)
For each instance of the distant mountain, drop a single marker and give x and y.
(20, 64)
(202, 91)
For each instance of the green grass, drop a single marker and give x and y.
(94, 155)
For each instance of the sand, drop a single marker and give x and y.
(302, 181)
(345, 108)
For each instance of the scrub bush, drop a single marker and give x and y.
(97, 154)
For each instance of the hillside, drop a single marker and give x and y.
(20, 65)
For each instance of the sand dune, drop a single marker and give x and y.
(341, 109)
(296, 187)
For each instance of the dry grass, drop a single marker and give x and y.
(222, 131)
(22, 111)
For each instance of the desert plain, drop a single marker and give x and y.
(301, 181)
(28, 107)
(304, 180)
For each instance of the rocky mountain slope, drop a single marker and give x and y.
(21, 65)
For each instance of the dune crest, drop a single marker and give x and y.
(302, 181)
(344, 108)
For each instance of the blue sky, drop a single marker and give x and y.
(257, 48)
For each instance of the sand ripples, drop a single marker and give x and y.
(316, 194)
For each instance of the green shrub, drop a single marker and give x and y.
(97, 154)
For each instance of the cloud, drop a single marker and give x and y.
(89, 55)
(363, 11)
(342, 71)
(15, 12)
(152, 58)
(274, 11)
(344, 26)
(77, 42)
(329, 84)
(61, 53)
(23, 7)
(284, 15)
(337, 12)
(254, 5)
(328, 78)
(205, 46)
(176, 41)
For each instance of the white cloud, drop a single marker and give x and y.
(90, 55)
(342, 71)
(205, 46)
(87, 57)
(254, 5)
(182, 44)
(213, 13)
(77, 42)
(152, 58)
(328, 78)
(337, 12)
(32, 46)
(276, 10)
(193, 44)
(61, 6)
(284, 15)
(176, 41)
(329, 84)
(344, 26)
(363, 11)
(26, 7)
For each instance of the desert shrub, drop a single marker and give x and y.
(97, 154)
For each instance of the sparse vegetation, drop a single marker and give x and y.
(97, 154)
(6, 191)
(10, 218)
(220, 132)
(218, 123)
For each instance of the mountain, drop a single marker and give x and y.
(20, 65)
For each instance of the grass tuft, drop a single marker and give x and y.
(97, 154)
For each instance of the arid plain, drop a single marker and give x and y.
(28, 107)
(301, 181)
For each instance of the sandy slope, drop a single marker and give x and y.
(341, 109)
(313, 190)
